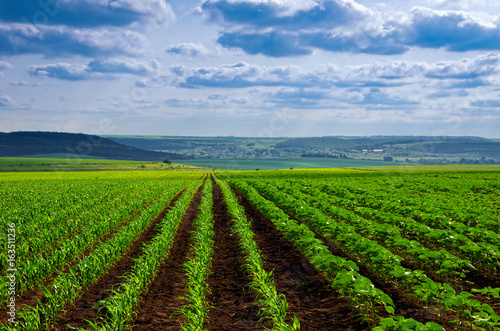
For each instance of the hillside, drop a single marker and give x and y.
(408, 149)
(32, 143)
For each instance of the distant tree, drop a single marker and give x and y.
(388, 158)
(167, 161)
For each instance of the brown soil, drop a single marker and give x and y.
(158, 307)
(231, 300)
(83, 309)
(315, 304)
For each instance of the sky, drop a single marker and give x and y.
(256, 68)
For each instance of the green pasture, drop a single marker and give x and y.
(282, 163)
(69, 162)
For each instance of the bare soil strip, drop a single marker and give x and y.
(158, 307)
(316, 305)
(232, 302)
(82, 309)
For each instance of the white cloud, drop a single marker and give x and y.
(6, 100)
(96, 69)
(390, 73)
(191, 50)
(482, 66)
(63, 41)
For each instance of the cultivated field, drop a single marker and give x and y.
(282, 250)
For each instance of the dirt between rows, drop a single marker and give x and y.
(231, 300)
(83, 309)
(316, 305)
(233, 305)
(158, 306)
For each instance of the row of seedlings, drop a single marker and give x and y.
(342, 274)
(100, 221)
(441, 296)
(68, 286)
(198, 267)
(273, 305)
(119, 307)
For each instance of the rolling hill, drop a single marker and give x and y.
(31, 143)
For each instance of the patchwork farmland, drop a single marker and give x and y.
(281, 250)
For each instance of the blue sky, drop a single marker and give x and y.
(263, 68)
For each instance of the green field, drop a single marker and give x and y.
(69, 162)
(283, 163)
(371, 239)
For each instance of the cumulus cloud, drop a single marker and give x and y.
(299, 98)
(448, 94)
(94, 70)
(280, 28)
(469, 83)
(453, 30)
(63, 41)
(123, 66)
(481, 66)
(64, 71)
(379, 74)
(213, 101)
(86, 13)
(6, 101)
(289, 15)
(190, 50)
(85, 27)
(241, 75)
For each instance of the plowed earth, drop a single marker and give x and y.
(85, 308)
(233, 305)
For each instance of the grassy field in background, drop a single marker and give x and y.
(77, 163)
(445, 167)
(70, 162)
(282, 163)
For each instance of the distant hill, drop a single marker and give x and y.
(32, 143)
(346, 143)
(413, 149)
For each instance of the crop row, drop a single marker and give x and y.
(199, 266)
(383, 262)
(274, 305)
(32, 272)
(119, 306)
(484, 250)
(68, 286)
(439, 262)
(342, 274)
